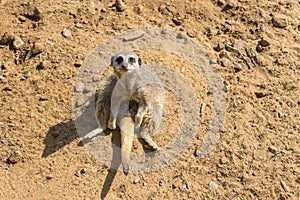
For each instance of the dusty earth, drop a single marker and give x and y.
(258, 154)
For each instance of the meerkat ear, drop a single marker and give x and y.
(112, 60)
(140, 61)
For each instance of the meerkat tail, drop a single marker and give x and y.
(127, 133)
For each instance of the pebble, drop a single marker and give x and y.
(139, 9)
(284, 186)
(120, 5)
(22, 18)
(78, 25)
(279, 22)
(50, 176)
(224, 62)
(231, 4)
(213, 185)
(15, 157)
(273, 149)
(177, 20)
(136, 179)
(103, 10)
(67, 33)
(237, 68)
(18, 42)
(221, 2)
(264, 42)
(220, 46)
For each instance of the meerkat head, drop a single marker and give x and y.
(125, 62)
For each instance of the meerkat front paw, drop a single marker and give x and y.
(112, 124)
(138, 121)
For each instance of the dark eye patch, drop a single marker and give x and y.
(131, 60)
(119, 60)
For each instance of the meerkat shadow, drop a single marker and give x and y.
(59, 136)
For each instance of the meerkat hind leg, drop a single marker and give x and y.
(148, 139)
(140, 114)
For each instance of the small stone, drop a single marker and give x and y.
(103, 10)
(77, 173)
(78, 25)
(279, 22)
(83, 170)
(260, 94)
(50, 176)
(177, 20)
(67, 33)
(4, 142)
(160, 182)
(259, 48)
(120, 5)
(27, 75)
(231, 4)
(191, 34)
(220, 46)
(237, 68)
(144, 184)
(78, 64)
(221, 2)
(136, 179)
(213, 186)
(18, 42)
(139, 9)
(22, 18)
(284, 186)
(224, 62)
(15, 157)
(264, 42)
(273, 149)
(37, 48)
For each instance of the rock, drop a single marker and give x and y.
(15, 157)
(50, 176)
(221, 2)
(37, 47)
(273, 149)
(224, 62)
(279, 22)
(160, 182)
(83, 170)
(259, 48)
(78, 63)
(33, 13)
(231, 3)
(103, 10)
(264, 42)
(260, 94)
(191, 34)
(139, 9)
(237, 68)
(284, 186)
(213, 186)
(220, 46)
(78, 25)
(22, 18)
(6, 39)
(18, 42)
(120, 5)
(136, 179)
(177, 20)
(67, 33)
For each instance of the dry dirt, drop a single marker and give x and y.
(258, 154)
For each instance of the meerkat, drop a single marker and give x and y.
(132, 99)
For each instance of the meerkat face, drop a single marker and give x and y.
(125, 62)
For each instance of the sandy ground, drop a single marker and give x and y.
(258, 154)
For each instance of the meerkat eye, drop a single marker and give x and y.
(131, 60)
(119, 60)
